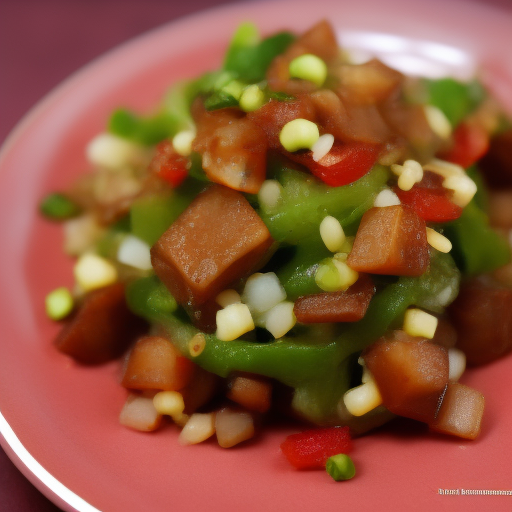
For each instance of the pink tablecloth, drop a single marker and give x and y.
(41, 43)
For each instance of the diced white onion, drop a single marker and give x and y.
(280, 319)
(456, 363)
(109, 150)
(262, 292)
(134, 252)
(322, 146)
(385, 198)
(269, 194)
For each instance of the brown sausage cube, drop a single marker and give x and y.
(411, 374)
(461, 412)
(155, 363)
(391, 240)
(218, 239)
(344, 306)
(101, 329)
(251, 391)
(482, 316)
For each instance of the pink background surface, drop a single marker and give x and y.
(41, 43)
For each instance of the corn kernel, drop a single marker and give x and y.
(438, 241)
(198, 428)
(92, 271)
(332, 233)
(309, 67)
(182, 142)
(233, 321)
(262, 292)
(437, 121)
(235, 88)
(169, 403)
(420, 323)
(280, 319)
(362, 399)
(227, 297)
(299, 134)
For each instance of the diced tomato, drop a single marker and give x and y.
(344, 164)
(169, 165)
(312, 448)
(430, 200)
(471, 142)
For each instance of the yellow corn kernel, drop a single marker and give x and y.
(420, 323)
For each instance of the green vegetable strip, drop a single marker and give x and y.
(248, 58)
(455, 99)
(477, 248)
(316, 370)
(306, 201)
(58, 207)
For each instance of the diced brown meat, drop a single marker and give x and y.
(200, 390)
(155, 363)
(496, 165)
(320, 40)
(347, 121)
(251, 391)
(411, 374)
(218, 239)
(101, 329)
(410, 122)
(204, 316)
(272, 116)
(368, 83)
(445, 334)
(482, 316)
(345, 306)
(391, 240)
(233, 149)
(461, 412)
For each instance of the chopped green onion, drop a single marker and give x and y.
(57, 206)
(340, 467)
(59, 303)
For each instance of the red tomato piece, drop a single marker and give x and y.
(430, 200)
(344, 164)
(312, 448)
(169, 165)
(471, 142)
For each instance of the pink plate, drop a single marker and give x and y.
(59, 420)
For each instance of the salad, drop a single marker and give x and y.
(294, 234)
